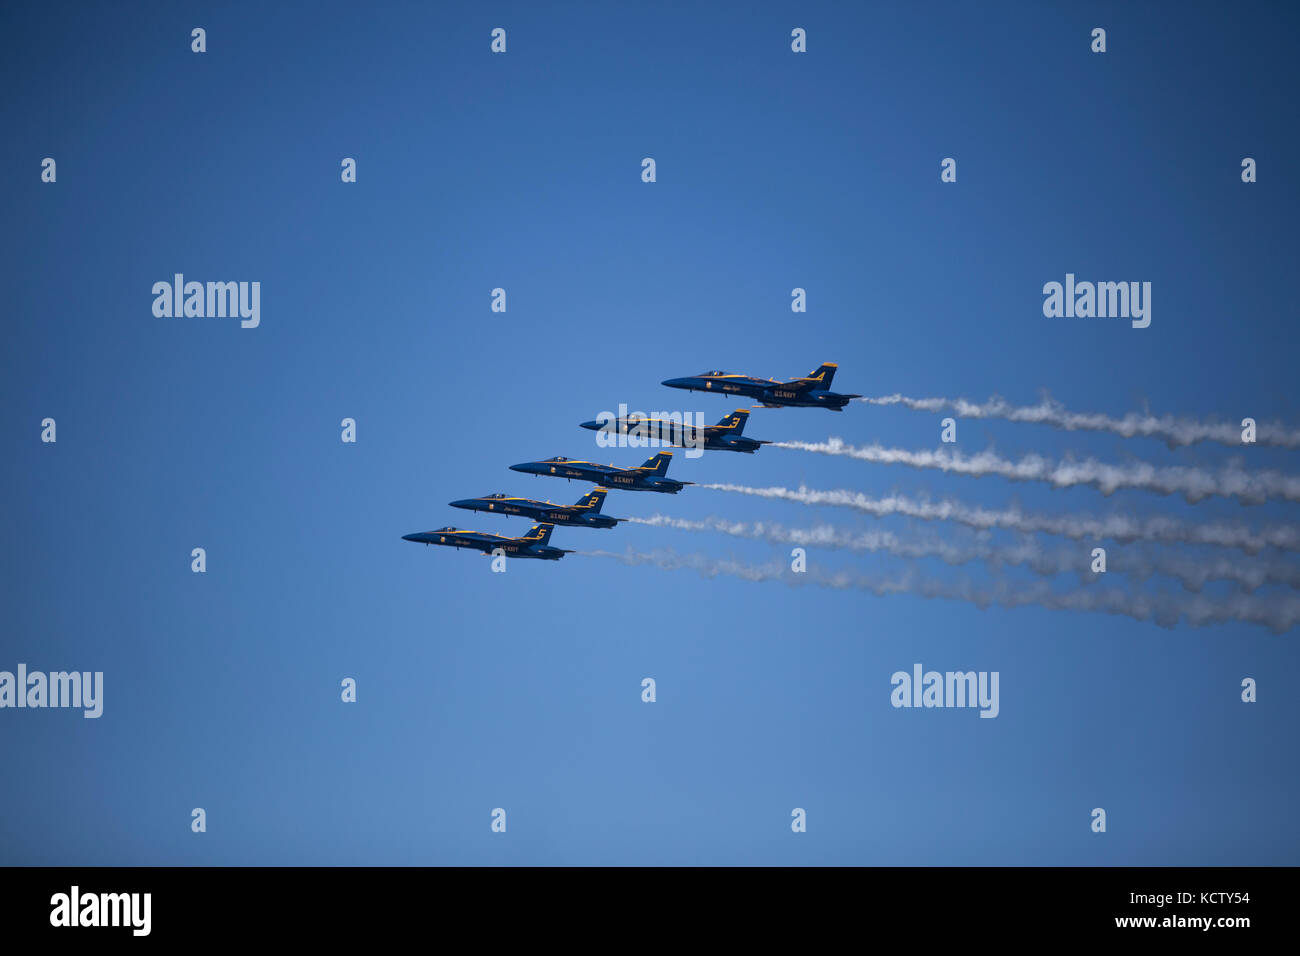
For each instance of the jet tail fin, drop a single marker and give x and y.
(823, 376)
(735, 421)
(538, 534)
(593, 500)
(658, 465)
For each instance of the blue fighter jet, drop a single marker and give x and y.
(531, 545)
(724, 436)
(812, 391)
(584, 514)
(648, 477)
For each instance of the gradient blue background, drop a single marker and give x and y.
(522, 690)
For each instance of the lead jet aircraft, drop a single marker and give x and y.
(812, 391)
(531, 545)
(584, 514)
(648, 477)
(724, 436)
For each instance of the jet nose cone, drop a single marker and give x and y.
(410, 537)
(522, 466)
(594, 426)
(674, 382)
(463, 503)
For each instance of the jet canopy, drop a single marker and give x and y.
(499, 494)
(558, 458)
(715, 372)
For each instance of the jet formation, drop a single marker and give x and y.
(811, 391)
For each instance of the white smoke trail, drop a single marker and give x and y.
(1159, 529)
(1192, 572)
(1173, 431)
(1278, 613)
(1192, 483)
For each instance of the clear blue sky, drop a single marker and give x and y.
(522, 690)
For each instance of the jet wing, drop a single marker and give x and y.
(801, 384)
